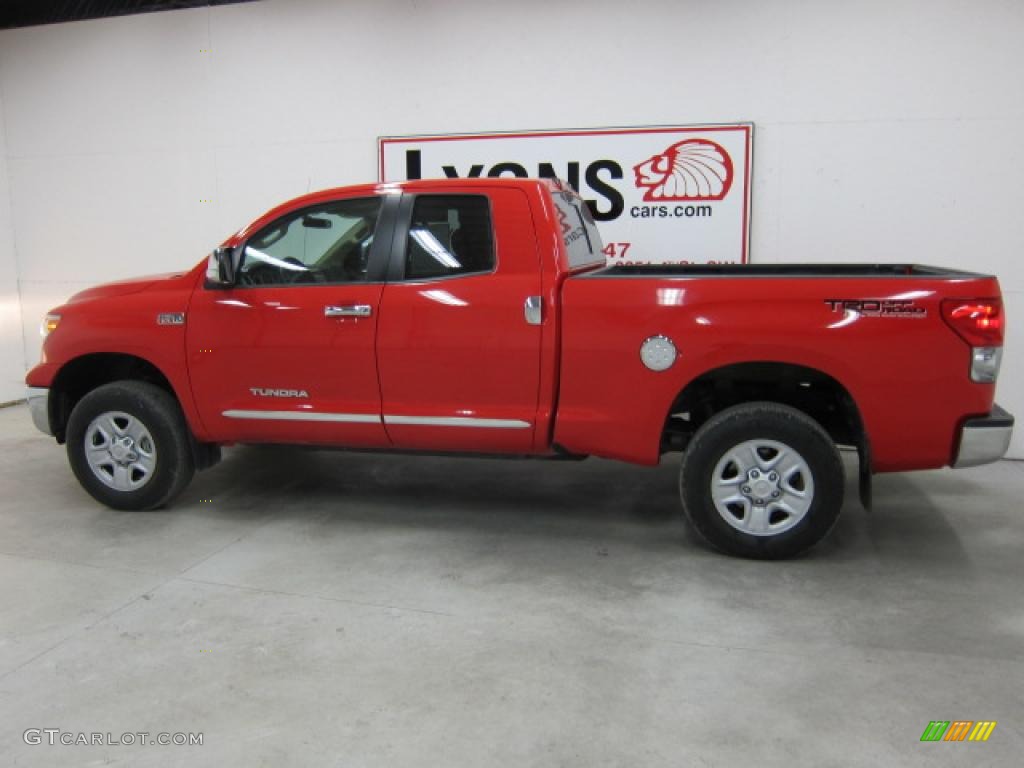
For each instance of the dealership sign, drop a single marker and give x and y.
(678, 194)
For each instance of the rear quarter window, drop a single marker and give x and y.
(578, 230)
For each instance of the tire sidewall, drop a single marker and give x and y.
(161, 416)
(766, 421)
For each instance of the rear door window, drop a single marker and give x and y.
(450, 235)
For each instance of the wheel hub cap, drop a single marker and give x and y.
(762, 487)
(120, 451)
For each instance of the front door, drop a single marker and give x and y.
(287, 355)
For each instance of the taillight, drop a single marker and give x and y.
(979, 322)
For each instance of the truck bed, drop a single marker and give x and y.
(781, 270)
(906, 368)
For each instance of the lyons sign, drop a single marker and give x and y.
(678, 194)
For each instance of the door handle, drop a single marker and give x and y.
(349, 310)
(533, 309)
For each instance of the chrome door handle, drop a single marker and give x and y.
(349, 310)
(533, 309)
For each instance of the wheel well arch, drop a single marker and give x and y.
(81, 375)
(809, 390)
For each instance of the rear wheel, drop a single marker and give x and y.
(128, 445)
(762, 480)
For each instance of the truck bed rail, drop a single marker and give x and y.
(780, 270)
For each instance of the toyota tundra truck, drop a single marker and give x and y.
(478, 317)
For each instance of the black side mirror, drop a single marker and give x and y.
(220, 270)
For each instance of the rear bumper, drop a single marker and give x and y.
(38, 399)
(985, 439)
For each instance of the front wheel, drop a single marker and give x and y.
(128, 445)
(762, 480)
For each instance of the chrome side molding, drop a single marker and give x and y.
(456, 421)
(344, 418)
(372, 418)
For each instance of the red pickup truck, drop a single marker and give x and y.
(478, 316)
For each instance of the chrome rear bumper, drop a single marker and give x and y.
(984, 440)
(38, 399)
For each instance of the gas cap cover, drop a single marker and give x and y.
(658, 353)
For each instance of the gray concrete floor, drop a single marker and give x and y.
(316, 608)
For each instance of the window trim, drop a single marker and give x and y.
(379, 249)
(400, 241)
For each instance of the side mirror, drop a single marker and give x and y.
(220, 269)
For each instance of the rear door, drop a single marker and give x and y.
(457, 350)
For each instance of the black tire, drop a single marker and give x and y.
(738, 432)
(164, 424)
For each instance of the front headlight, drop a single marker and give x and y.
(49, 325)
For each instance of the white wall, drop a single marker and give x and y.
(12, 350)
(885, 130)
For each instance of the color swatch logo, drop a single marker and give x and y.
(958, 730)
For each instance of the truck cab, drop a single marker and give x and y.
(378, 319)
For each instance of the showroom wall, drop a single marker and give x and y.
(884, 130)
(12, 351)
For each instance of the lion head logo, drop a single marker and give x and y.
(695, 169)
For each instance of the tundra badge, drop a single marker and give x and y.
(261, 392)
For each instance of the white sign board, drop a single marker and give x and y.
(678, 194)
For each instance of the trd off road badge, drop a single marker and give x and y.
(877, 307)
(676, 194)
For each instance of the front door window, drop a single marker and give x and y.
(325, 244)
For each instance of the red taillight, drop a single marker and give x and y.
(979, 322)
